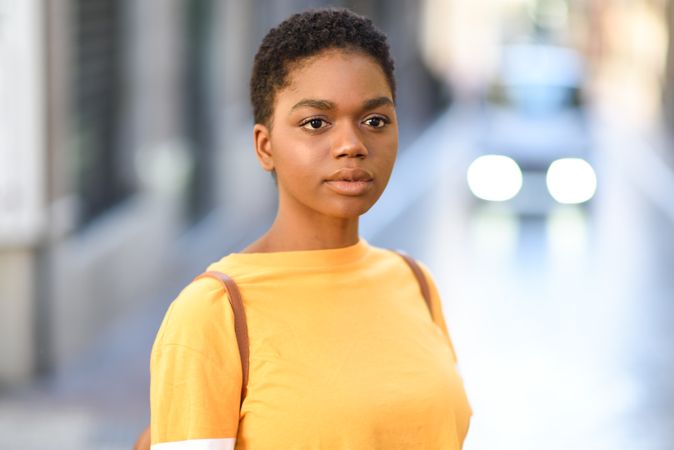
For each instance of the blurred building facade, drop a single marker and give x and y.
(125, 133)
(126, 151)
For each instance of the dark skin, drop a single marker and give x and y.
(332, 142)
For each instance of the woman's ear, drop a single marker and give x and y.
(262, 139)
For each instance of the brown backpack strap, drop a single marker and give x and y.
(240, 326)
(241, 330)
(421, 279)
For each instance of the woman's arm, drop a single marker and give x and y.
(195, 373)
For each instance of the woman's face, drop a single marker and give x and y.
(334, 136)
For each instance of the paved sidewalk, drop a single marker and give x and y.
(99, 403)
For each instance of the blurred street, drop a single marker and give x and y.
(535, 178)
(562, 323)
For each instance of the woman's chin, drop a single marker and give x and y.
(348, 209)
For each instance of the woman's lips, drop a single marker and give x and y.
(351, 181)
(350, 188)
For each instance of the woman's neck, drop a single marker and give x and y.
(296, 233)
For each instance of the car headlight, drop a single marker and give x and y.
(571, 180)
(495, 178)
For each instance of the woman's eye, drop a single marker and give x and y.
(376, 122)
(314, 124)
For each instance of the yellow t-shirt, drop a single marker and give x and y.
(343, 355)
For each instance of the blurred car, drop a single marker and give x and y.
(534, 144)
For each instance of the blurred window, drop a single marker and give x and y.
(103, 173)
(199, 105)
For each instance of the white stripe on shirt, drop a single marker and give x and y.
(197, 444)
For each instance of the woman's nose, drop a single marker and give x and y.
(347, 142)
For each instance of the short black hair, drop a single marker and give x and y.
(306, 34)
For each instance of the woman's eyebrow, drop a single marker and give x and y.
(377, 102)
(326, 105)
(313, 103)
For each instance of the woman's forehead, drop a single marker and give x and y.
(336, 74)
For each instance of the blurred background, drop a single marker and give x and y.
(535, 179)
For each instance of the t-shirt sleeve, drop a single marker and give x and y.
(436, 306)
(195, 372)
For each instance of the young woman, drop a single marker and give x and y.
(343, 353)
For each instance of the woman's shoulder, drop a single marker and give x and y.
(201, 309)
(202, 293)
(398, 258)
